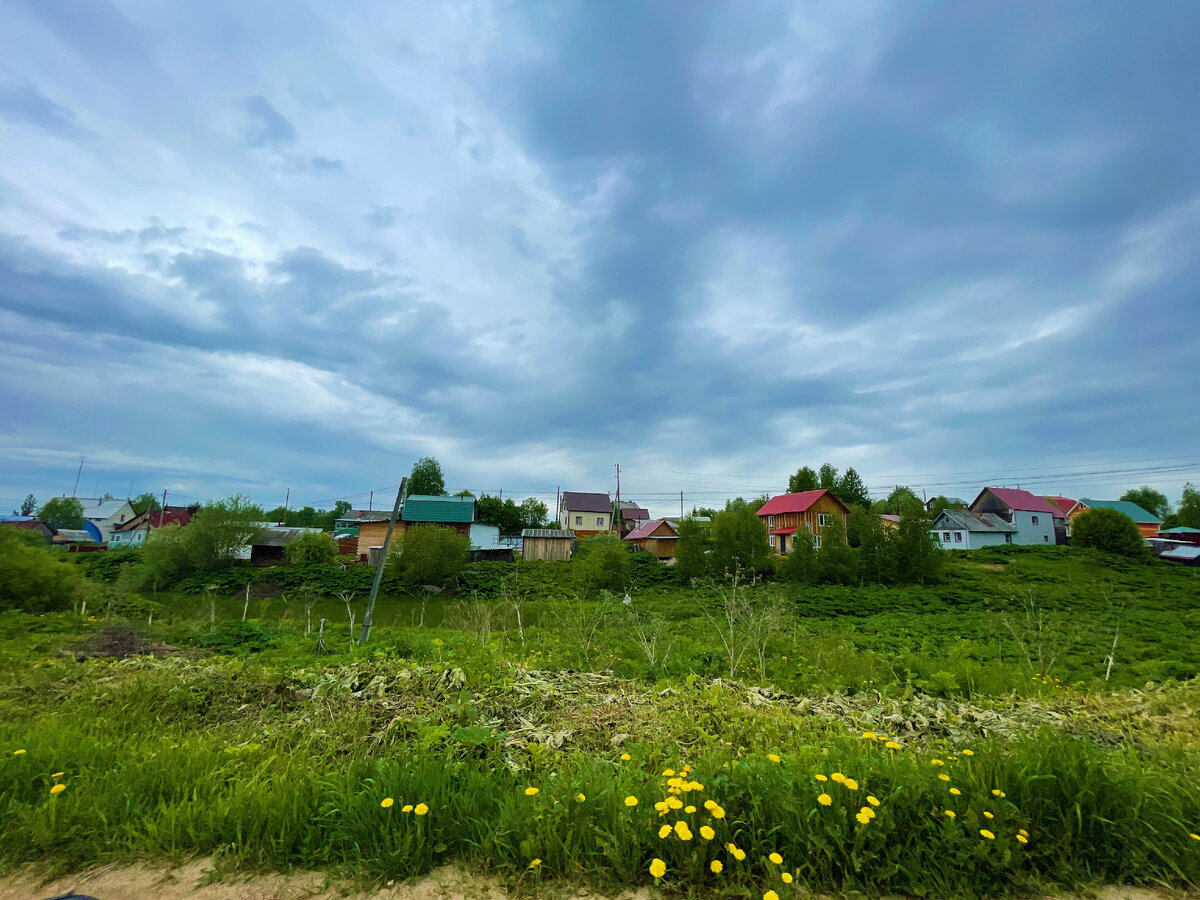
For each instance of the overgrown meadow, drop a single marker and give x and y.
(1027, 722)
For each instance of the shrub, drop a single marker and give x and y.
(739, 539)
(1108, 530)
(692, 551)
(602, 564)
(31, 578)
(429, 554)
(311, 547)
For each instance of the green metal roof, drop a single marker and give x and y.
(1181, 529)
(1132, 510)
(426, 508)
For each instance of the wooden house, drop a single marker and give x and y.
(630, 516)
(547, 543)
(1148, 523)
(585, 514)
(418, 509)
(1034, 517)
(133, 533)
(658, 537)
(782, 516)
(961, 529)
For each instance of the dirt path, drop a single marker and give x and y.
(190, 882)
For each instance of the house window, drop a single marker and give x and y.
(1034, 518)
(579, 520)
(1045, 538)
(821, 518)
(1008, 538)
(599, 521)
(817, 541)
(772, 540)
(771, 522)
(946, 536)
(958, 537)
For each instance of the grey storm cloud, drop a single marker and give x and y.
(927, 237)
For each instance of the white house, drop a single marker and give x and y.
(1034, 517)
(961, 529)
(106, 515)
(586, 514)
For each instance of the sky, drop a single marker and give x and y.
(286, 249)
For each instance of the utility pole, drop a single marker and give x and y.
(558, 503)
(387, 540)
(287, 499)
(162, 511)
(371, 502)
(75, 489)
(618, 465)
(681, 504)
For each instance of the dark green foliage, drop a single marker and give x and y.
(1188, 513)
(940, 503)
(837, 562)
(311, 548)
(238, 637)
(692, 551)
(426, 477)
(505, 514)
(540, 579)
(739, 539)
(32, 578)
(1109, 531)
(218, 531)
(851, 489)
(876, 551)
(107, 567)
(1152, 501)
(805, 479)
(827, 477)
(919, 557)
(62, 512)
(429, 555)
(800, 565)
(534, 513)
(145, 501)
(646, 570)
(602, 563)
(901, 500)
(28, 506)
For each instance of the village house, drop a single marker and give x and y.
(630, 515)
(133, 533)
(29, 523)
(782, 516)
(585, 514)
(961, 529)
(105, 515)
(1033, 517)
(457, 513)
(1148, 523)
(657, 537)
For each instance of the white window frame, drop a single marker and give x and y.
(772, 540)
(958, 537)
(816, 542)
(945, 537)
(822, 519)
(579, 520)
(1035, 520)
(770, 521)
(599, 521)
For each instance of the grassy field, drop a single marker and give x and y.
(981, 736)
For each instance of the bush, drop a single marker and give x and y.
(1108, 530)
(310, 548)
(602, 564)
(429, 554)
(739, 539)
(31, 578)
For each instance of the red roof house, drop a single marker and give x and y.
(1033, 516)
(783, 515)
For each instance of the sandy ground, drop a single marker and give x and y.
(191, 882)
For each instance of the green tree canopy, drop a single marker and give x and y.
(851, 489)
(219, 530)
(1108, 530)
(805, 479)
(940, 503)
(1148, 499)
(1189, 508)
(901, 500)
(430, 554)
(505, 514)
(918, 555)
(427, 477)
(534, 513)
(827, 477)
(836, 560)
(691, 550)
(28, 506)
(601, 563)
(31, 578)
(311, 548)
(739, 539)
(800, 565)
(145, 501)
(62, 512)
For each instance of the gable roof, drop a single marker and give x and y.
(429, 508)
(1180, 529)
(151, 518)
(968, 521)
(578, 501)
(630, 510)
(1130, 509)
(354, 516)
(96, 509)
(790, 503)
(1063, 503)
(647, 529)
(1022, 500)
(564, 533)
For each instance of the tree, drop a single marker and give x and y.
(800, 565)
(876, 552)
(837, 562)
(464, 493)
(919, 556)
(534, 513)
(219, 530)
(341, 508)
(827, 477)
(601, 563)
(1189, 508)
(739, 539)
(311, 548)
(1108, 530)
(901, 500)
(691, 550)
(941, 502)
(805, 479)
(430, 554)
(62, 512)
(505, 514)
(31, 578)
(145, 501)
(427, 477)
(851, 490)
(705, 511)
(857, 523)
(1148, 499)
(28, 505)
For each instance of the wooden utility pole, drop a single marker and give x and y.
(163, 510)
(387, 540)
(681, 504)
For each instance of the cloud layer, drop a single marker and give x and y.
(292, 246)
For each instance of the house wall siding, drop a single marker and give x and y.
(824, 505)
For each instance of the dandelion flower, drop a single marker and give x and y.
(580, 797)
(58, 774)
(695, 786)
(987, 834)
(838, 777)
(667, 773)
(955, 791)
(869, 735)
(717, 812)
(707, 833)
(943, 777)
(850, 784)
(739, 854)
(867, 811)
(731, 847)
(674, 803)
(988, 814)
(821, 777)
(386, 802)
(773, 757)
(1194, 837)
(58, 789)
(716, 867)
(775, 858)
(872, 800)
(709, 804)
(968, 753)
(689, 809)
(530, 791)
(1025, 840)
(631, 800)
(682, 831)
(892, 745)
(534, 863)
(625, 757)
(407, 808)
(936, 762)
(825, 800)
(658, 868)
(664, 831)
(863, 818)
(1024, 833)
(18, 753)
(787, 877)
(420, 809)
(951, 814)
(770, 895)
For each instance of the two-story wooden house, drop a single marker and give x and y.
(782, 516)
(585, 514)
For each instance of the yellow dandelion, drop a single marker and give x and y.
(869, 735)
(662, 807)
(386, 802)
(685, 770)
(420, 809)
(664, 831)
(717, 812)
(838, 777)
(968, 753)
(739, 854)
(872, 800)
(682, 831)
(988, 814)
(695, 786)
(821, 777)
(775, 858)
(787, 877)
(770, 895)
(1194, 837)
(987, 834)
(667, 773)
(709, 804)
(58, 789)
(658, 868)
(863, 818)
(674, 803)
(825, 800)
(531, 791)
(955, 791)
(707, 832)
(57, 774)
(936, 762)
(625, 757)
(868, 812)
(1025, 840)
(689, 809)
(631, 800)
(892, 745)
(534, 863)
(406, 808)
(731, 847)
(773, 757)
(951, 814)
(943, 777)
(580, 797)
(715, 867)
(1024, 833)
(18, 753)
(850, 784)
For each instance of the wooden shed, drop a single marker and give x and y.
(547, 543)
(658, 536)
